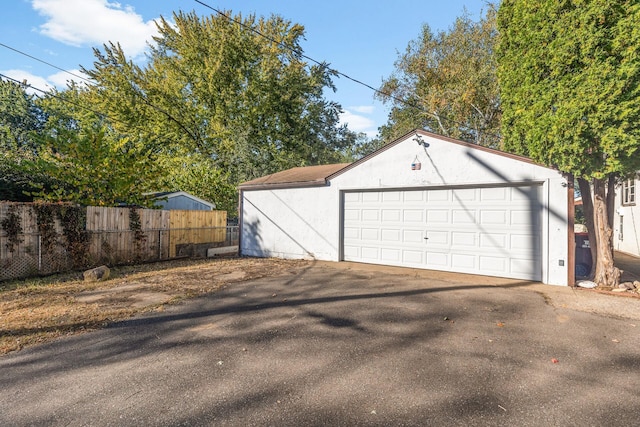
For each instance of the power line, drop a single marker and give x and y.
(94, 83)
(52, 94)
(337, 72)
(47, 63)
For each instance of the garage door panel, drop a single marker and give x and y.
(467, 194)
(526, 242)
(390, 255)
(437, 216)
(492, 231)
(371, 197)
(437, 238)
(413, 216)
(391, 215)
(493, 194)
(464, 240)
(437, 196)
(412, 257)
(413, 196)
(351, 233)
(437, 259)
(351, 252)
(370, 253)
(522, 268)
(494, 264)
(493, 241)
(391, 236)
(493, 217)
(351, 215)
(391, 196)
(413, 236)
(370, 234)
(370, 215)
(463, 262)
(352, 197)
(463, 216)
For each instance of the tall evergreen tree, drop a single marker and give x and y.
(569, 75)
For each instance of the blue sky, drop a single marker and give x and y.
(358, 38)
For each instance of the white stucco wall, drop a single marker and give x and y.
(305, 222)
(629, 240)
(291, 223)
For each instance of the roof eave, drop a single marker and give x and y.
(283, 185)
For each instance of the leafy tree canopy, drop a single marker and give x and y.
(215, 89)
(219, 100)
(570, 83)
(570, 87)
(20, 121)
(447, 83)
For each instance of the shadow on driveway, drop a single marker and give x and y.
(338, 345)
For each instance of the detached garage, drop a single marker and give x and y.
(423, 201)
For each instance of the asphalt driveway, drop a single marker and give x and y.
(345, 344)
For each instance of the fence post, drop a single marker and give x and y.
(39, 253)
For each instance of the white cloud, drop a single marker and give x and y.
(363, 109)
(31, 79)
(358, 123)
(61, 78)
(94, 22)
(39, 84)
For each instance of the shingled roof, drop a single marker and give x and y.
(296, 177)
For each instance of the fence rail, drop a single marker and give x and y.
(109, 238)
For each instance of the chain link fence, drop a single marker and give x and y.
(117, 247)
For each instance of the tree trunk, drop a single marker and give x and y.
(587, 207)
(611, 199)
(606, 274)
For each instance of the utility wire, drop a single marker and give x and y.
(337, 72)
(47, 63)
(52, 94)
(94, 83)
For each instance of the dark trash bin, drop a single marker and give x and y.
(583, 255)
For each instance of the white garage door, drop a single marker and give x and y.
(491, 231)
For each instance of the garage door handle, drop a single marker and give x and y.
(426, 238)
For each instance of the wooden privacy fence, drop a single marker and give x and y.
(102, 235)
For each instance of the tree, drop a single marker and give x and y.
(213, 88)
(20, 121)
(197, 174)
(569, 73)
(88, 161)
(447, 83)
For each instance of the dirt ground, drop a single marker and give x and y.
(33, 311)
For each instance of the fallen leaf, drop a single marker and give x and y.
(554, 360)
(615, 340)
(500, 324)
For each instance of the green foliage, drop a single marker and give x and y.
(198, 175)
(222, 102)
(570, 83)
(20, 121)
(216, 104)
(447, 84)
(93, 168)
(12, 226)
(73, 219)
(361, 147)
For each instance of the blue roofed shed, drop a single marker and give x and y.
(181, 200)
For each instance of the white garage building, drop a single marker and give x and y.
(423, 201)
